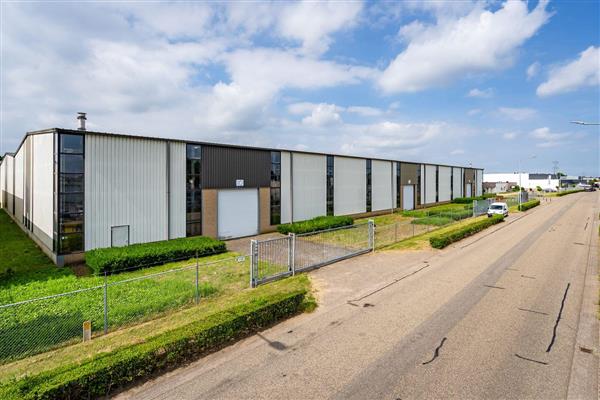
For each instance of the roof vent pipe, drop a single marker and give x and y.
(81, 117)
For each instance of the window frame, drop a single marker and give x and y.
(369, 172)
(275, 187)
(193, 173)
(330, 181)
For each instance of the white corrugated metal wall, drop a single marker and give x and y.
(10, 179)
(429, 184)
(19, 157)
(125, 184)
(286, 188)
(177, 190)
(2, 183)
(395, 185)
(381, 185)
(309, 186)
(479, 182)
(43, 187)
(422, 183)
(457, 184)
(349, 186)
(445, 175)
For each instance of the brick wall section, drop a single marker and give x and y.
(209, 212)
(264, 211)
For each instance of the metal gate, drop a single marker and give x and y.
(276, 258)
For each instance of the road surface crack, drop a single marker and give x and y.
(562, 306)
(436, 352)
(531, 359)
(386, 286)
(494, 287)
(532, 311)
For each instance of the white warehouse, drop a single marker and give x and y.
(76, 190)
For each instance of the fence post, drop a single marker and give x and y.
(253, 261)
(105, 303)
(474, 205)
(292, 248)
(371, 224)
(197, 283)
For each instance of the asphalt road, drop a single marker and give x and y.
(494, 316)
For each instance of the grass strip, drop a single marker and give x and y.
(108, 371)
(442, 240)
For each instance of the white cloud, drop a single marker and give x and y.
(547, 138)
(480, 41)
(323, 115)
(474, 111)
(457, 152)
(533, 70)
(364, 111)
(509, 135)
(517, 114)
(312, 23)
(579, 73)
(482, 94)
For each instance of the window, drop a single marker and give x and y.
(329, 185)
(437, 183)
(451, 183)
(275, 188)
(419, 185)
(398, 186)
(193, 193)
(70, 194)
(368, 185)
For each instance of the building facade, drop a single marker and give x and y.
(75, 191)
(528, 180)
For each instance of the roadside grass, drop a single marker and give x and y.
(125, 339)
(21, 256)
(435, 221)
(42, 325)
(421, 242)
(385, 219)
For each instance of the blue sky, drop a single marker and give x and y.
(480, 82)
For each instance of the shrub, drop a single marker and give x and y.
(434, 220)
(566, 192)
(460, 232)
(467, 200)
(315, 224)
(143, 255)
(530, 204)
(105, 372)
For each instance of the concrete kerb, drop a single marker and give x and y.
(584, 378)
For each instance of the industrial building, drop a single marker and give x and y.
(526, 179)
(77, 190)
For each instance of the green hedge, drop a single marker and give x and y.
(315, 224)
(460, 232)
(566, 192)
(107, 372)
(433, 220)
(468, 200)
(143, 255)
(530, 204)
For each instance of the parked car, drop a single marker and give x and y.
(497, 208)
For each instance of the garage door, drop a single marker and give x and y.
(237, 213)
(468, 190)
(408, 197)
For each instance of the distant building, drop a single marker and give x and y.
(498, 187)
(528, 180)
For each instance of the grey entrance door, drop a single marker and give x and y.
(119, 236)
(408, 197)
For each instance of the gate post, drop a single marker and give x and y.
(371, 224)
(253, 262)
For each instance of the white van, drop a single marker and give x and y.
(497, 208)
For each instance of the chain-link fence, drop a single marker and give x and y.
(37, 325)
(388, 234)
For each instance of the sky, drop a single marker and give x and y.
(485, 83)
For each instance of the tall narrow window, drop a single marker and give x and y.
(398, 186)
(275, 187)
(329, 185)
(418, 184)
(193, 216)
(70, 192)
(452, 183)
(369, 202)
(437, 183)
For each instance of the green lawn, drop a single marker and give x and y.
(434, 220)
(42, 325)
(20, 255)
(124, 339)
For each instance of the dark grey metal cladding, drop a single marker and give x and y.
(469, 175)
(223, 166)
(410, 172)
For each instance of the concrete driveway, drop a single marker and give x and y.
(493, 316)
